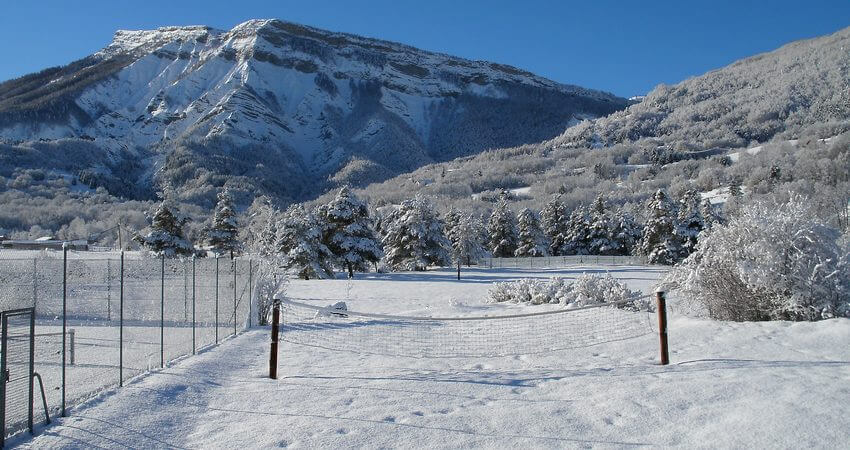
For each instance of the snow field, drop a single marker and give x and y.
(770, 384)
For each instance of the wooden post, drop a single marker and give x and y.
(662, 326)
(458, 268)
(275, 331)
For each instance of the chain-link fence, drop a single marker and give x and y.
(122, 316)
(552, 262)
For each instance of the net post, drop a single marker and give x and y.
(64, 317)
(194, 345)
(162, 311)
(121, 325)
(234, 291)
(216, 298)
(275, 332)
(662, 326)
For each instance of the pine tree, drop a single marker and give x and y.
(709, 214)
(300, 242)
(659, 243)
(690, 222)
(626, 233)
(553, 219)
(599, 229)
(450, 222)
(222, 236)
(532, 241)
(166, 235)
(348, 232)
(414, 237)
(578, 230)
(502, 227)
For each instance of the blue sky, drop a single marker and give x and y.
(624, 47)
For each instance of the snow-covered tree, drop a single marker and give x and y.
(599, 229)
(165, 236)
(348, 232)
(502, 228)
(659, 243)
(467, 240)
(532, 241)
(625, 234)
(414, 237)
(553, 219)
(300, 244)
(578, 230)
(690, 222)
(259, 232)
(450, 221)
(709, 214)
(770, 262)
(222, 235)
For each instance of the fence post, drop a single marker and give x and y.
(275, 331)
(250, 292)
(35, 282)
(30, 374)
(64, 316)
(234, 294)
(72, 335)
(121, 325)
(194, 347)
(108, 290)
(216, 299)
(162, 312)
(662, 326)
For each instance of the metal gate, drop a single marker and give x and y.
(16, 371)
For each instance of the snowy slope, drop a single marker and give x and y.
(754, 385)
(315, 98)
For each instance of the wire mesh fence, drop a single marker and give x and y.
(554, 262)
(102, 321)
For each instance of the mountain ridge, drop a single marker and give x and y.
(328, 108)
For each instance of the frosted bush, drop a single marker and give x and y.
(771, 262)
(585, 290)
(270, 284)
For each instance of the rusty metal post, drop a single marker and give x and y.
(662, 326)
(275, 331)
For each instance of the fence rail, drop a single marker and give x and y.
(127, 316)
(561, 261)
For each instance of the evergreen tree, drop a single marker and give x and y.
(450, 222)
(553, 219)
(690, 222)
(599, 229)
(532, 241)
(502, 228)
(348, 232)
(659, 243)
(166, 235)
(577, 233)
(222, 236)
(709, 214)
(414, 237)
(300, 243)
(626, 233)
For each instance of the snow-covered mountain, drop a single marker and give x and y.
(279, 107)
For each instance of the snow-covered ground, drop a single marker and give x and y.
(775, 384)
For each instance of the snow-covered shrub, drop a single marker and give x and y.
(585, 290)
(771, 262)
